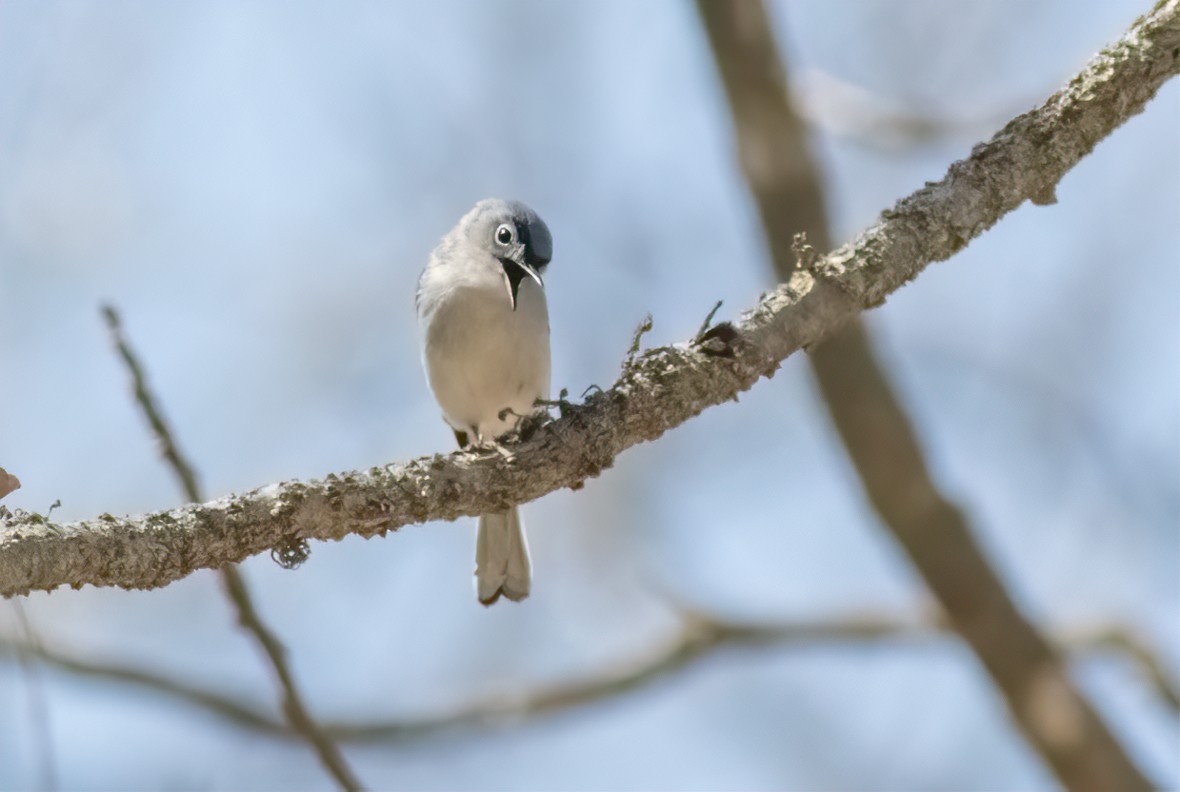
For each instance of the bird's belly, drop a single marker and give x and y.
(491, 360)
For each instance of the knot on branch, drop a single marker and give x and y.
(291, 552)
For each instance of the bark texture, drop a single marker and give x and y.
(656, 390)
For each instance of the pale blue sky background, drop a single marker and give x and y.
(256, 186)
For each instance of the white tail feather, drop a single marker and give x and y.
(502, 558)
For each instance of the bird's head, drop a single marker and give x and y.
(516, 238)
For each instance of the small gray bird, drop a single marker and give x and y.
(485, 335)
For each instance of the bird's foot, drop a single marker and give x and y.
(489, 445)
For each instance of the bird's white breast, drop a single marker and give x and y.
(481, 356)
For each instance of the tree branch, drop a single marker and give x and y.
(1054, 717)
(852, 112)
(656, 391)
(698, 637)
(234, 585)
(26, 653)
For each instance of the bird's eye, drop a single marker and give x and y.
(504, 234)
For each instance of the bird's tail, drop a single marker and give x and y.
(502, 558)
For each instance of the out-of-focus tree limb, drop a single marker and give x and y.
(222, 704)
(27, 652)
(698, 638)
(656, 391)
(1058, 722)
(1121, 640)
(233, 583)
(1055, 718)
(849, 111)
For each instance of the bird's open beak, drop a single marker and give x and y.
(516, 271)
(532, 273)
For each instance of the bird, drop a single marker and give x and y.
(484, 327)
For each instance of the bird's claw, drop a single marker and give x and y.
(488, 445)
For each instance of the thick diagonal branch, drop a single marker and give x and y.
(1055, 718)
(656, 391)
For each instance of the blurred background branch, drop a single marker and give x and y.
(28, 651)
(698, 637)
(299, 719)
(878, 435)
(852, 112)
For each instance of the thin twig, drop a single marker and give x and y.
(1120, 639)
(233, 583)
(705, 325)
(224, 705)
(31, 648)
(1055, 718)
(143, 397)
(698, 637)
(871, 120)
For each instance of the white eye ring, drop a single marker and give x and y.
(505, 234)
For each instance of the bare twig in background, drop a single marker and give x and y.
(301, 722)
(1054, 717)
(1119, 639)
(658, 390)
(26, 653)
(698, 638)
(147, 403)
(223, 705)
(852, 112)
